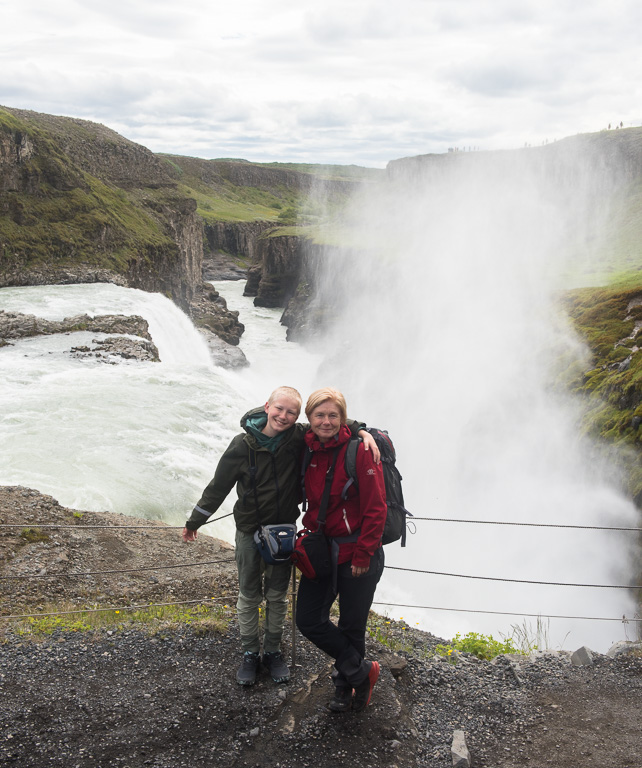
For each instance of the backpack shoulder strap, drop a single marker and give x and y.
(325, 498)
(350, 464)
(305, 463)
(253, 469)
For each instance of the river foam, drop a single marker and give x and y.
(138, 438)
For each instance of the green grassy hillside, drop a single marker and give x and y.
(55, 212)
(288, 194)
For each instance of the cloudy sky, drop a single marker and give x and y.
(339, 81)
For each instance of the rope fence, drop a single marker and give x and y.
(624, 619)
(516, 581)
(81, 526)
(528, 525)
(142, 569)
(160, 526)
(59, 574)
(119, 608)
(229, 598)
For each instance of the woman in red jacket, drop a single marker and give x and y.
(354, 526)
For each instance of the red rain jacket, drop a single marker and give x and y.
(364, 509)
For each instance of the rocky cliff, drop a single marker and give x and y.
(79, 203)
(274, 260)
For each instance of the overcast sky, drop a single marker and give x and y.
(339, 81)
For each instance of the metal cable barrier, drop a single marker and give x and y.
(80, 527)
(83, 526)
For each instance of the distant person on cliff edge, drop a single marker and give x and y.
(264, 463)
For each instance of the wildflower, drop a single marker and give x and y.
(117, 611)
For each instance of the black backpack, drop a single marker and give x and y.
(395, 527)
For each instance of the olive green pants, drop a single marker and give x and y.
(259, 581)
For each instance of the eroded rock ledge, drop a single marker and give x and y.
(14, 325)
(220, 327)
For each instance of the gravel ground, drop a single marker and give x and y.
(167, 697)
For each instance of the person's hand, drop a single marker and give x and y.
(358, 570)
(189, 535)
(370, 444)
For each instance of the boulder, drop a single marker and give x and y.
(459, 750)
(624, 647)
(583, 657)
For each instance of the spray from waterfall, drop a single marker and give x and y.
(445, 329)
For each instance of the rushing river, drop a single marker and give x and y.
(143, 439)
(137, 438)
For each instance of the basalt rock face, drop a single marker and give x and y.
(177, 273)
(78, 201)
(210, 312)
(283, 273)
(306, 313)
(276, 259)
(236, 238)
(280, 269)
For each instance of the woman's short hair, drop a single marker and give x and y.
(327, 393)
(290, 392)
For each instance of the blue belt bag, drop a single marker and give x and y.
(275, 543)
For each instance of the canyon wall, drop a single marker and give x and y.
(80, 203)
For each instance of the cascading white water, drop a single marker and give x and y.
(478, 433)
(138, 438)
(447, 332)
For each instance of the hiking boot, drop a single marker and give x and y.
(341, 701)
(363, 691)
(246, 674)
(277, 668)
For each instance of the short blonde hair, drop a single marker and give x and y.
(290, 392)
(327, 393)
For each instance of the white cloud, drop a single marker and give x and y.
(353, 81)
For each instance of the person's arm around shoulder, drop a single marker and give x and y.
(359, 429)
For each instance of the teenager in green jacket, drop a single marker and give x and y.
(270, 449)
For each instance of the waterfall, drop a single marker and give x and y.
(449, 354)
(138, 438)
(447, 333)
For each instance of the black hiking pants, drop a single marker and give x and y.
(345, 642)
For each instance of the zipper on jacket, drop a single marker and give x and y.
(345, 520)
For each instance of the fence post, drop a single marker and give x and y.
(293, 616)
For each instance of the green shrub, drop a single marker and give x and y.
(33, 535)
(482, 646)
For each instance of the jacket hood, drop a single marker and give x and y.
(254, 414)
